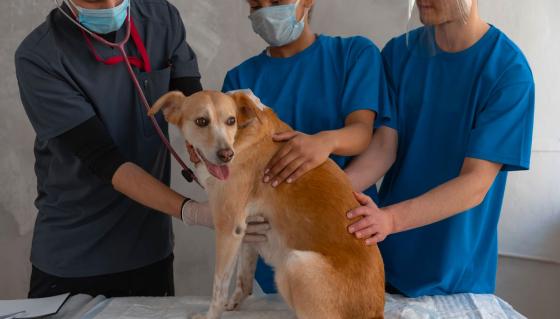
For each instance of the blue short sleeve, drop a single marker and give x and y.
(183, 58)
(502, 132)
(390, 73)
(53, 104)
(365, 83)
(230, 83)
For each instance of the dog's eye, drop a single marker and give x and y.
(202, 122)
(230, 121)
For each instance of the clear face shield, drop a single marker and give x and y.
(430, 22)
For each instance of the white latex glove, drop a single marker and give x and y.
(195, 213)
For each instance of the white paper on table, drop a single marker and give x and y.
(33, 307)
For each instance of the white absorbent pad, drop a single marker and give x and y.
(461, 306)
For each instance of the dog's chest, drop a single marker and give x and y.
(274, 250)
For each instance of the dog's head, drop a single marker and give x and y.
(210, 122)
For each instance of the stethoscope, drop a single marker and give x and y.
(186, 172)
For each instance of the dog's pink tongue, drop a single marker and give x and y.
(220, 172)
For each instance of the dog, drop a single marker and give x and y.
(320, 269)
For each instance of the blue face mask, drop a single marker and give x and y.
(278, 25)
(103, 21)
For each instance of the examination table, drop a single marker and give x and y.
(461, 306)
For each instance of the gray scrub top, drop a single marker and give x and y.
(84, 227)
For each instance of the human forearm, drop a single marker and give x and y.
(138, 185)
(302, 152)
(143, 188)
(455, 196)
(349, 140)
(354, 137)
(369, 167)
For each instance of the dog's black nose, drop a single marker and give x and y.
(225, 155)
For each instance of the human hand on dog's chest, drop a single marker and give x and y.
(199, 214)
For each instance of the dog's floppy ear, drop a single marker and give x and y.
(248, 108)
(171, 104)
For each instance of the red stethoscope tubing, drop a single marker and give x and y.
(186, 172)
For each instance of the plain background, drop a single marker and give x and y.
(221, 35)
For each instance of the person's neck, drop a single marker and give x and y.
(458, 36)
(306, 39)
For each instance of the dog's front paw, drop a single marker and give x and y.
(199, 316)
(238, 297)
(232, 305)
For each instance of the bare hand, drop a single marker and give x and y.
(298, 156)
(375, 225)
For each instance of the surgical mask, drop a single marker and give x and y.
(278, 25)
(103, 21)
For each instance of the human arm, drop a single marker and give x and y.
(370, 166)
(301, 152)
(364, 92)
(446, 200)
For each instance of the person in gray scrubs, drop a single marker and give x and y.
(104, 202)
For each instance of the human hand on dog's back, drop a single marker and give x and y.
(375, 224)
(300, 154)
(199, 214)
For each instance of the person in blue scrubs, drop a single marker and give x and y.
(329, 89)
(465, 119)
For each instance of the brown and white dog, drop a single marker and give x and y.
(321, 271)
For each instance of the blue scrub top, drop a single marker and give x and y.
(315, 90)
(477, 103)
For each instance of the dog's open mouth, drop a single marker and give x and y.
(221, 172)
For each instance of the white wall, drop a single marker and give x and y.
(220, 33)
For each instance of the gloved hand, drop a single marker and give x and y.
(195, 213)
